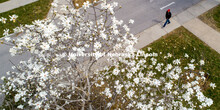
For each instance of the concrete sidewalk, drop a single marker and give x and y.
(204, 32)
(12, 4)
(189, 20)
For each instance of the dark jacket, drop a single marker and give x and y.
(168, 15)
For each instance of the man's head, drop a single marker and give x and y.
(168, 10)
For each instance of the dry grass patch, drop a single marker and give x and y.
(212, 18)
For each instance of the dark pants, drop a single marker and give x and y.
(167, 21)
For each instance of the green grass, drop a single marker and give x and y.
(181, 41)
(212, 18)
(1, 1)
(26, 14)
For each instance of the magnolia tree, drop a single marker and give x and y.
(66, 70)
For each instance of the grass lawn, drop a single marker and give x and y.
(1, 1)
(26, 14)
(181, 41)
(212, 18)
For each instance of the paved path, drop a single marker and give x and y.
(204, 32)
(12, 4)
(189, 20)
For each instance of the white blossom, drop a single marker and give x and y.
(97, 45)
(156, 82)
(186, 55)
(38, 105)
(108, 93)
(43, 94)
(13, 17)
(6, 32)
(131, 21)
(202, 62)
(130, 93)
(191, 66)
(168, 85)
(20, 107)
(209, 101)
(136, 80)
(3, 20)
(44, 75)
(45, 46)
(176, 62)
(212, 85)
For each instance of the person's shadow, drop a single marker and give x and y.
(157, 21)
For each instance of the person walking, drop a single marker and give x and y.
(168, 16)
